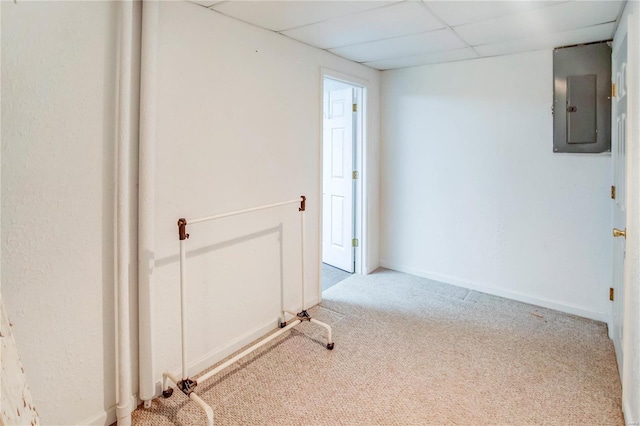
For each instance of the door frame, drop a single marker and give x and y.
(360, 158)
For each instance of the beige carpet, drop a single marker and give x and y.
(409, 351)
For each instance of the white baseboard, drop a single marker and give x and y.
(108, 416)
(369, 269)
(105, 418)
(210, 358)
(508, 294)
(630, 417)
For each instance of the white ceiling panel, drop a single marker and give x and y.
(417, 44)
(393, 34)
(284, 15)
(463, 12)
(539, 22)
(205, 3)
(429, 58)
(399, 19)
(549, 41)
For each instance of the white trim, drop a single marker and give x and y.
(629, 420)
(345, 78)
(513, 295)
(105, 418)
(108, 416)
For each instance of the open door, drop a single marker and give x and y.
(630, 371)
(619, 194)
(337, 185)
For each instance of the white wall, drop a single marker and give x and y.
(58, 105)
(473, 195)
(239, 125)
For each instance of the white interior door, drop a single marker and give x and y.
(619, 151)
(337, 182)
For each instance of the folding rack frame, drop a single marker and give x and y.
(188, 385)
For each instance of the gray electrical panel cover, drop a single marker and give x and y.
(582, 99)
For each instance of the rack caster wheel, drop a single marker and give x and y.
(330, 346)
(167, 393)
(283, 324)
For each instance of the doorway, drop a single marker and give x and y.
(342, 141)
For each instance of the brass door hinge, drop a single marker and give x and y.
(354, 242)
(611, 293)
(355, 107)
(613, 90)
(620, 232)
(613, 192)
(354, 174)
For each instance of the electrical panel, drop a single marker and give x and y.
(582, 98)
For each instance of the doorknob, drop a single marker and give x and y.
(619, 233)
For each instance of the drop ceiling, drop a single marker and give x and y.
(396, 34)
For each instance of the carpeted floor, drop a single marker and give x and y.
(409, 351)
(332, 276)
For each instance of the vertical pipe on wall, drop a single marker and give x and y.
(123, 209)
(146, 180)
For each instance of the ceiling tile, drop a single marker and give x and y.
(205, 3)
(549, 41)
(392, 21)
(558, 18)
(429, 58)
(433, 41)
(463, 12)
(284, 15)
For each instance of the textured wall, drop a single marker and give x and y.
(472, 193)
(239, 125)
(58, 104)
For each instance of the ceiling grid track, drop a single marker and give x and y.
(397, 34)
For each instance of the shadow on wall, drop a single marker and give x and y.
(225, 244)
